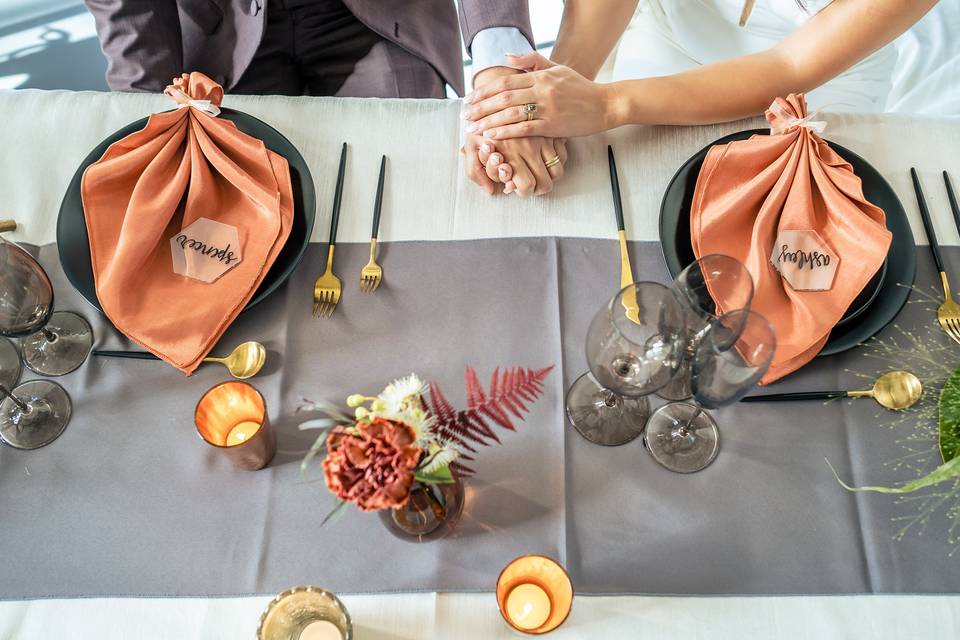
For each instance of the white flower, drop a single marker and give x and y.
(398, 394)
(442, 456)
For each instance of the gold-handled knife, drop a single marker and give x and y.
(629, 298)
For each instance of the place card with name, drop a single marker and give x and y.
(805, 260)
(205, 250)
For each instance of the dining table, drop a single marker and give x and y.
(128, 527)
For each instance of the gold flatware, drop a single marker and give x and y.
(8, 225)
(895, 390)
(326, 290)
(948, 314)
(629, 299)
(372, 273)
(245, 361)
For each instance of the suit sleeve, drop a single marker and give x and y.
(141, 40)
(477, 15)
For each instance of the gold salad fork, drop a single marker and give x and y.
(948, 314)
(326, 290)
(372, 273)
(629, 299)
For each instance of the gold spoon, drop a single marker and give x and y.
(245, 361)
(895, 390)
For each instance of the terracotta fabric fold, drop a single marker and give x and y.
(184, 165)
(750, 192)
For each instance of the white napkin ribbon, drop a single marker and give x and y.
(183, 100)
(786, 120)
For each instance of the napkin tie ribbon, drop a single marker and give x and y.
(183, 101)
(785, 120)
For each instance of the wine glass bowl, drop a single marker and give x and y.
(26, 294)
(629, 359)
(712, 285)
(732, 357)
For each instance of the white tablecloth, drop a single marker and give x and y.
(44, 136)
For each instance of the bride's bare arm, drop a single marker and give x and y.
(589, 31)
(835, 39)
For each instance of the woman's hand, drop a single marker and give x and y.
(567, 103)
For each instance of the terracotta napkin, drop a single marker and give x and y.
(793, 211)
(141, 200)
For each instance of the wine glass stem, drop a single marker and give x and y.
(609, 398)
(685, 429)
(50, 335)
(20, 404)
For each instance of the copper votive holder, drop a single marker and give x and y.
(305, 613)
(232, 417)
(534, 594)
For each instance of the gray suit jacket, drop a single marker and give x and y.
(149, 42)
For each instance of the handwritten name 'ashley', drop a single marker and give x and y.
(224, 255)
(803, 259)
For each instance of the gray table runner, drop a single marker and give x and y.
(129, 501)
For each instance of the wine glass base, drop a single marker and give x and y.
(50, 410)
(682, 453)
(10, 364)
(603, 417)
(63, 355)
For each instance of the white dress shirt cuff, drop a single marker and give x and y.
(491, 45)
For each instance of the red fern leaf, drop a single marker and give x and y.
(510, 393)
(475, 395)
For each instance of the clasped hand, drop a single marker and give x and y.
(504, 146)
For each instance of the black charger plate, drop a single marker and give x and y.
(74, 245)
(879, 302)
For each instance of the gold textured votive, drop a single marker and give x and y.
(305, 613)
(232, 416)
(534, 594)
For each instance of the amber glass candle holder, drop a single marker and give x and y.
(232, 417)
(534, 594)
(305, 613)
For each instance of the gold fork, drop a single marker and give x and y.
(326, 290)
(629, 299)
(948, 314)
(8, 225)
(372, 274)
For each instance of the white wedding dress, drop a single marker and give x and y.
(670, 36)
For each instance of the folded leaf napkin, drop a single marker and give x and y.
(793, 211)
(185, 218)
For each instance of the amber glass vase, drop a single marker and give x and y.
(431, 513)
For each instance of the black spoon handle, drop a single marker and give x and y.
(927, 224)
(379, 201)
(798, 395)
(615, 188)
(135, 355)
(338, 195)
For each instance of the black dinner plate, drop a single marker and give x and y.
(74, 245)
(881, 299)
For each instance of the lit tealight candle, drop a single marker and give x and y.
(321, 630)
(528, 606)
(242, 432)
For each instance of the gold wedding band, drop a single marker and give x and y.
(530, 109)
(552, 161)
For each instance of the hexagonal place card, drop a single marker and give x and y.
(205, 250)
(805, 260)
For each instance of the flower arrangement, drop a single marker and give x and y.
(410, 433)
